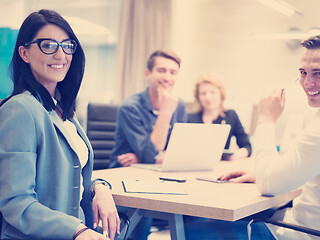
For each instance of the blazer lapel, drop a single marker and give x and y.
(85, 139)
(82, 134)
(57, 121)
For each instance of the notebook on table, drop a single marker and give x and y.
(192, 147)
(153, 187)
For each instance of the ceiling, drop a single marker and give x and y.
(95, 21)
(254, 17)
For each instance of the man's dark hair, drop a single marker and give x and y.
(166, 53)
(312, 42)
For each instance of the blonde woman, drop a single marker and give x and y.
(209, 95)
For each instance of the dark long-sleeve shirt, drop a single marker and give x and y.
(237, 130)
(135, 122)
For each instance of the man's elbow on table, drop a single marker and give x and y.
(271, 186)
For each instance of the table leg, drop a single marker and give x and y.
(176, 225)
(135, 217)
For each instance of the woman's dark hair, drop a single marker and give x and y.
(22, 76)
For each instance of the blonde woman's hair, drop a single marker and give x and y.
(214, 81)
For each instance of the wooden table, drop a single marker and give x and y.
(224, 201)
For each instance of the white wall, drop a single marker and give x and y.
(217, 36)
(12, 13)
(209, 35)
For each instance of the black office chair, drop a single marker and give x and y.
(266, 217)
(101, 125)
(295, 227)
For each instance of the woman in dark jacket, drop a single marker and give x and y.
(209, 95)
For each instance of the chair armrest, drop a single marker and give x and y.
(295, 227)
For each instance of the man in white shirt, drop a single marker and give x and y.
(298, 167)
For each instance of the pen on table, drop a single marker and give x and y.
(172, 179)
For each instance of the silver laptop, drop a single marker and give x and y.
(192, 147)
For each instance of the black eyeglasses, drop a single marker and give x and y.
(50, 46)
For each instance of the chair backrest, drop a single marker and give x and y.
(101, 125)
(0, 223)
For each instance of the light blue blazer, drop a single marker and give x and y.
(40, 173)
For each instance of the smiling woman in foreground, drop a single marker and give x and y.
(46, 190)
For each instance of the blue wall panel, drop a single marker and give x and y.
(7, 42)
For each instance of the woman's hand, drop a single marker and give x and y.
(89, 234)
(105, 209)
(240, 176)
